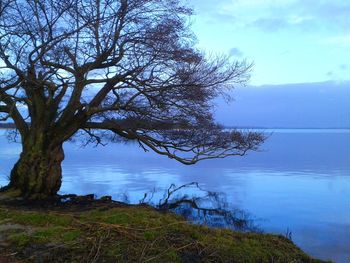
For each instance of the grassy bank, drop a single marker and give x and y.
(120, 233)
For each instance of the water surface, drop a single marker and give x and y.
(299, 181)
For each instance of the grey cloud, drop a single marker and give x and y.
(312, 15)
(328, 9)
(272, 24)
(330, 74)
(212, 11)
(318, 14)
(337, 73)
(269, 24)
(343, 67)
(334, 14)
(236, 52)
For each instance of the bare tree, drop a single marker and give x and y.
(126, 68)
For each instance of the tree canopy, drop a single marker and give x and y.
(110, 68)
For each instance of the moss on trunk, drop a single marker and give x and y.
(38, 173)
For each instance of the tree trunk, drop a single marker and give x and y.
(38, 173)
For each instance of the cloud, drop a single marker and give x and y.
(235, 52)
(284, 21)
(271, 15)
(343, 67)
(269, 24)
(337, 73)
(330, 74)
(289, 40)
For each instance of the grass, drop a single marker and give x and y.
(132, 234)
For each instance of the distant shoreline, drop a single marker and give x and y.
(12, 126)
(289, 128)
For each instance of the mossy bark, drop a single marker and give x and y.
(38, 173)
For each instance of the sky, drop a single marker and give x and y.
(289, 41)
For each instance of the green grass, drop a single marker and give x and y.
(136, 234)
(35, 218)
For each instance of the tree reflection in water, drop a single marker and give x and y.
(202, 207)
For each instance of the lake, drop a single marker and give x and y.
(299, 182)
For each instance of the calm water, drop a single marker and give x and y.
(299, 181)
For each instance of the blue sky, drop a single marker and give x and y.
(289, 41)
